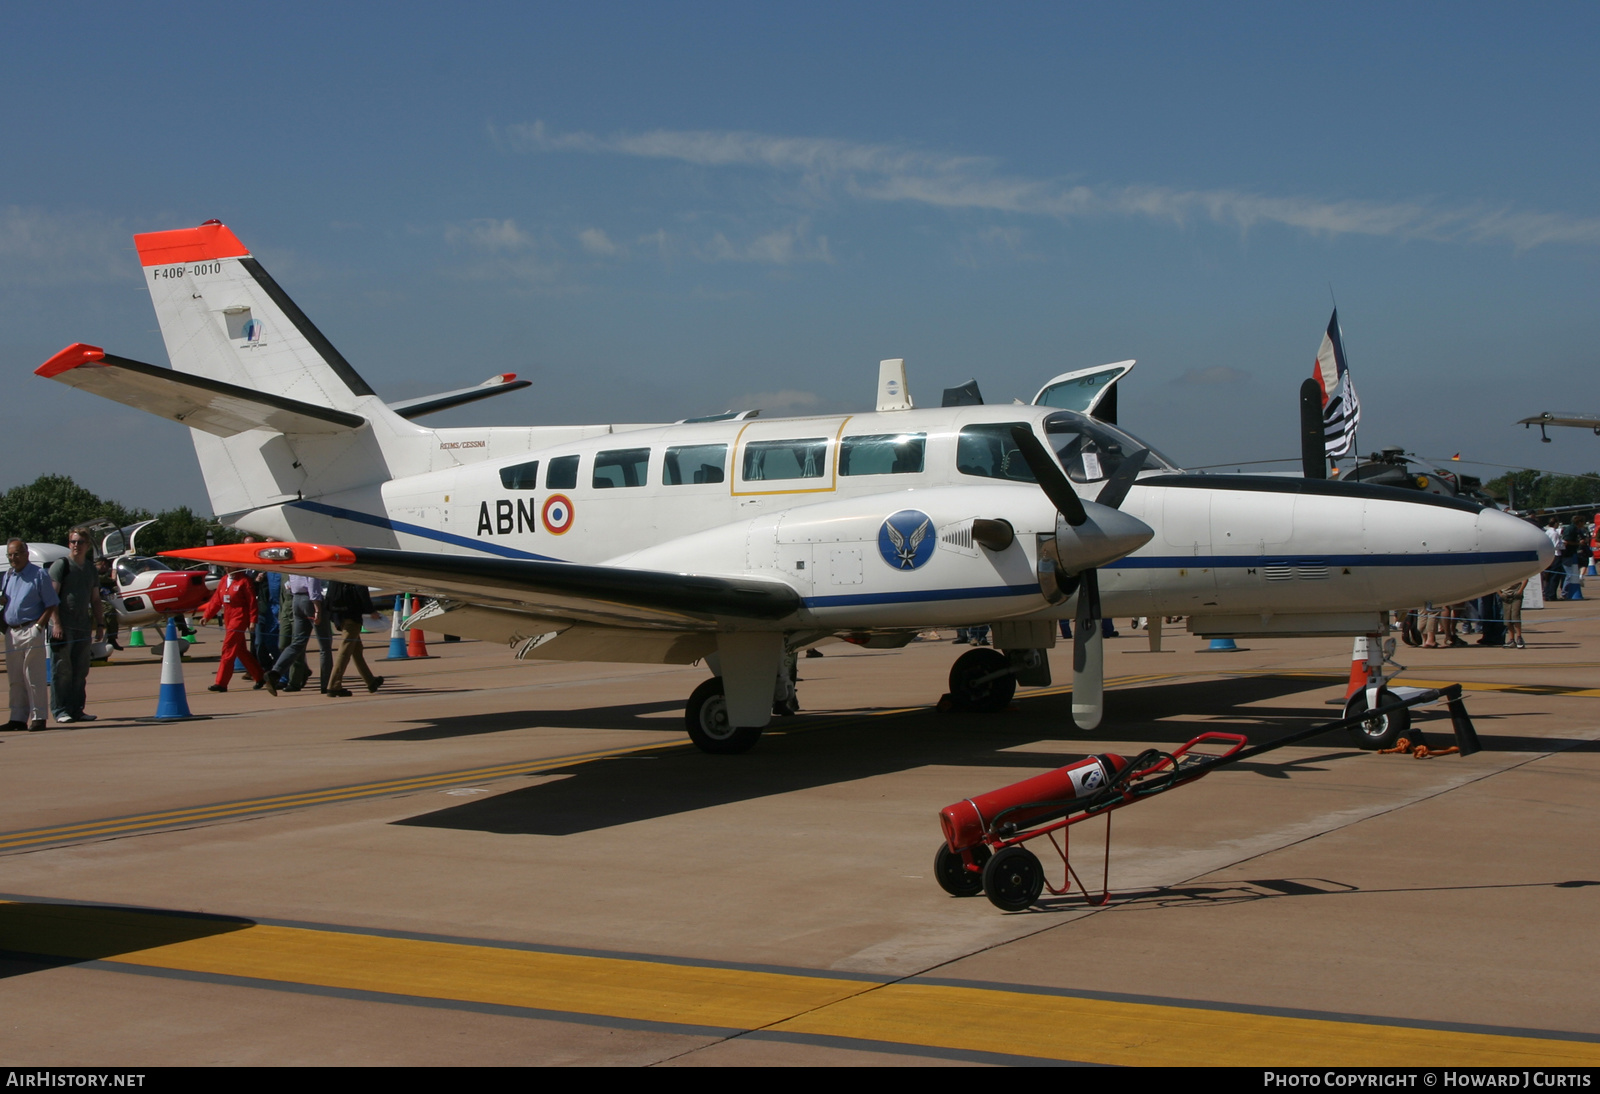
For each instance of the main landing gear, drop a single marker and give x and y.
(982, 681)
(707, 719)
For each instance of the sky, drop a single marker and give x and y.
(654, 211)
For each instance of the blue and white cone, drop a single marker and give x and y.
(397, 637)
(173, 701)
(1223, 645)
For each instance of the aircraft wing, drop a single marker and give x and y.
(1578, 421)
(210, 405)
(556, 591)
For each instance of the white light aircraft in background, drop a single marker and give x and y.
(742, 541)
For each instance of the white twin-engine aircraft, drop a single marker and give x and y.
(745, 540)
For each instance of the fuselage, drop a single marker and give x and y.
(819, 502)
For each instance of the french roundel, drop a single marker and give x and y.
(557, 514)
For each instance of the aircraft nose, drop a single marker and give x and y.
(1106, 536)
(1503, 534)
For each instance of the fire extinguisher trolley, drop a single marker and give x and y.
(983, 836)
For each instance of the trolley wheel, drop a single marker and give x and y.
(952, 873)
(706, 716)
(1382, 731)
(967, 693)
(1013, 879)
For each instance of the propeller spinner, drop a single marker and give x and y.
(1088, 535)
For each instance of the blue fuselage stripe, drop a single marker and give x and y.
(389, 524)
(1235, 562)
(980, 593)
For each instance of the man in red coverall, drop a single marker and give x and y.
(235, 600)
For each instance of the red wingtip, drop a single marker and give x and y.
(79, 353)
(211, 240)
(271, 556)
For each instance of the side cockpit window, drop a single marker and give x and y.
(1090, 450)
(988, 451)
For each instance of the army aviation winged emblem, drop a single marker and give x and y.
(906, 539)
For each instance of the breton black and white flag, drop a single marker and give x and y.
(1341, 410)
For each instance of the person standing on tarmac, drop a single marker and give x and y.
(72, 629)
(30, 601)
(235, 601)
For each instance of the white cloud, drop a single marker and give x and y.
(888, 172)
(39, 247)
(498, 250)
(596, 242)
(774, 402)
(792, 243)
(488, 234)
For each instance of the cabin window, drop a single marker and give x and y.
(769, 461)
(621, 467)
(524, 476)
(990, 452)
(886, 454)
(694, 463)
(563, 473)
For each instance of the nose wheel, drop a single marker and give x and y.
(1380, 731)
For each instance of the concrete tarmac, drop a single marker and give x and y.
(493, 862)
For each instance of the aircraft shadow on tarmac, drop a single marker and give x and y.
(626, 716)
(1249, 891)
(803, 753)
(39, 935)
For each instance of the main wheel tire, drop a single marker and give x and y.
(1382, 731)
(706, 716)
(987, 696)
(1013, 879)
(951, 871)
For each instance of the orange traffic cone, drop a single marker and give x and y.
(1361, 668)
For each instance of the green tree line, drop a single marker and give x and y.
(1537, 490)
(43, 510)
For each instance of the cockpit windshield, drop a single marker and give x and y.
(1091, 450)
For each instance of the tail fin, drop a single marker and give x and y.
(225, 319)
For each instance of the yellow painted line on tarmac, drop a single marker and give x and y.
(975, 1019)
(1510, 689)
(1099, 1031)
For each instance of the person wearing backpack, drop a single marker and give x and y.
(349, 603)
(72, 629)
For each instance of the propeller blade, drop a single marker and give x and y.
(1115, 491)
(1088, 656)
(1047, 472)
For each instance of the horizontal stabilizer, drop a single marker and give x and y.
(499, 384)
(610, 595)
(213, 406)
